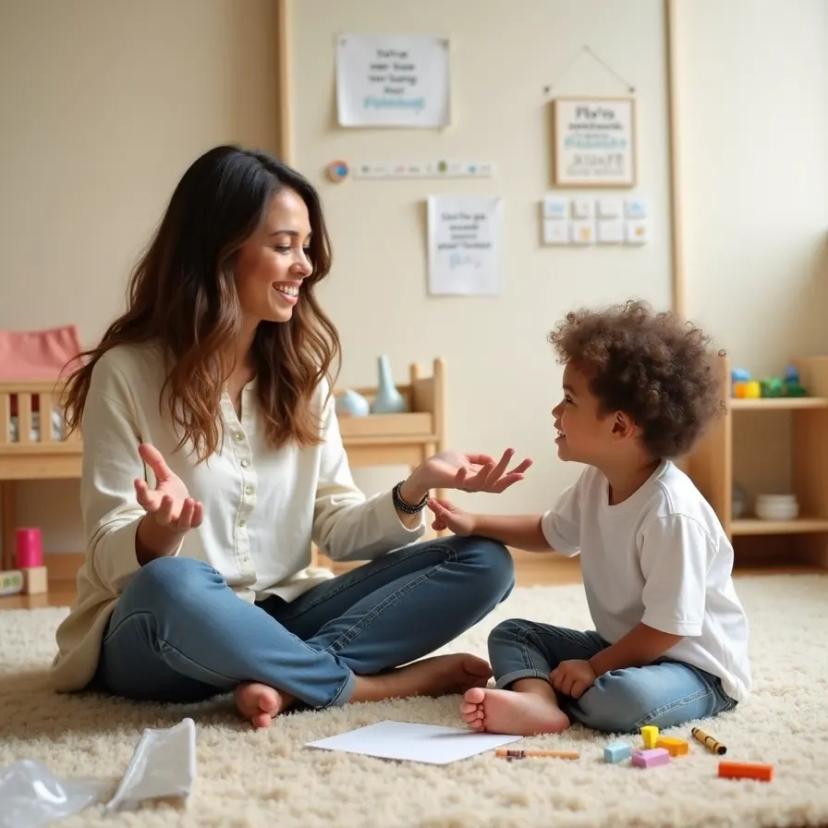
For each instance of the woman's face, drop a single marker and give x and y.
(273, 263)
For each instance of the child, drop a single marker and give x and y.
(671, 638)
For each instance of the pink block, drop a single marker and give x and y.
(650, 758)
(28, 548)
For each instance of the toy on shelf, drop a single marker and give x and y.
(388, 399)
(744, 387)
(30, 577)
(740, 500)
(351, 404)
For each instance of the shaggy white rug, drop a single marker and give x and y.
(253, 778)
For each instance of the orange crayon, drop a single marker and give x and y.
(745, 770)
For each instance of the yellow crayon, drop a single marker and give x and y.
(649, 735)
(708, 741)
(523, 754)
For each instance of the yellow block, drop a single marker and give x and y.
(649, 734)
(676, 747)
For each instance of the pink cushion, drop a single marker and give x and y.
(37, 355)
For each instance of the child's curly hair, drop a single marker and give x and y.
(649, 365)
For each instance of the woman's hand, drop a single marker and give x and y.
(468, 472)
(171, 512)
(449, 516)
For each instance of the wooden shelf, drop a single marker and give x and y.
(777, 403)
(799, 526)
(374, 426)
(737, 446)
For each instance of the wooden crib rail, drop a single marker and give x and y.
(21, 401)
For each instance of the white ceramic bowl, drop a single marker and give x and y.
(776, 507)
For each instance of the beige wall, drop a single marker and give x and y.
(109, 100)
(754, 113)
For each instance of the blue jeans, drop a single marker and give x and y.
(178, 632)
(665, 693)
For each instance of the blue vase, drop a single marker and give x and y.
(351, 404)
(388, 399)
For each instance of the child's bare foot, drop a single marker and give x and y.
(260, 703)
(511, 713)
(436, 676)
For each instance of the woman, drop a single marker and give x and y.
(212, 459)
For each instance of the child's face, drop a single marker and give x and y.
(583, 435)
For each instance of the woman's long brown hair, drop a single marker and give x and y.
(182, 297)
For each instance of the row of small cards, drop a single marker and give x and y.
(605, 220)
(589, 231)
(583, 207)
(428, 169)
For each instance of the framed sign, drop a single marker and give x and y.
(594, 142)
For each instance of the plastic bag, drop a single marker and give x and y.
(31, 796)
(163, 766)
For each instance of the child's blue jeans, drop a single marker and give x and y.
(179, 633)
(666, 693)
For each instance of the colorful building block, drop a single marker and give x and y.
(617, 752)
(35, 580)
(745, 770)
(11, 582)
(675, 747)
(650, 758)
(649, 735)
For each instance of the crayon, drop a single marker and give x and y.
(708, 741)
(524, 754)
(745, 770)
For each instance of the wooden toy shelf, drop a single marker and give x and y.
(772, 445)
(30, 452)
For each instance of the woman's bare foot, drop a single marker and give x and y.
(436, 676)
(511, 712)
(260, 703)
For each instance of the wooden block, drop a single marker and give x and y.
(745, 770)
(675, 747)
(11, 582)
(617, 752)
(650, 758)
(35, 580)
(649, 735)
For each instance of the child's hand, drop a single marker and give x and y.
(573, 678)
(448, 516)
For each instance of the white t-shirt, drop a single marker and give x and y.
(660, 558)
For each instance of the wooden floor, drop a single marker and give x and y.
(531, 570)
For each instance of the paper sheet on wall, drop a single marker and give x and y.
(393, 80)
(432, 744)
(464, 245)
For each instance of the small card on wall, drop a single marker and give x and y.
(610, 231)
(464, 245)
(582, 231)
